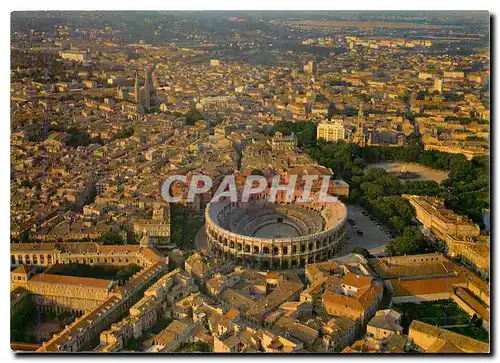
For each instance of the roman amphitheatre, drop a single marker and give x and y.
(275, 235)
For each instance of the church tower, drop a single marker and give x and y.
(137, 96)
(360, 137)
(156, 83)
(147, 90)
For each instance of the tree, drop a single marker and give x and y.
(476, 321)
(125, 273)
(461, 169)
(25, 237)
(372, 190)
(193, 115)
(397, 223)
(410, 243)
(110, 238)
(131, 238)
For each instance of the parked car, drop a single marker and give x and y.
(359, 232)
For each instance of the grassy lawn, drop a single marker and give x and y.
(441, 312)
(31, 324)
(185, 224)
(473, 332)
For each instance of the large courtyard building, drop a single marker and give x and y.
(442, 221)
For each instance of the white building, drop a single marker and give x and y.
(331, 130)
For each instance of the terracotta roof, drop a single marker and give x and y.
(232, 313)
(464, 343)
(71, 280)
(386, 319)
(356, 280)
(272, 275)
(442, 346)
(118, 248)
(330, 298)
(296, 329)
(77, 247)
(152, 255)
(32, 247)
(231, 341)
(21, 269)
(473, 303)
(365, 297)
(24, 347)
(167, 335)
(425, 286)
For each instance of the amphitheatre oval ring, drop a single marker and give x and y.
(275, 235)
